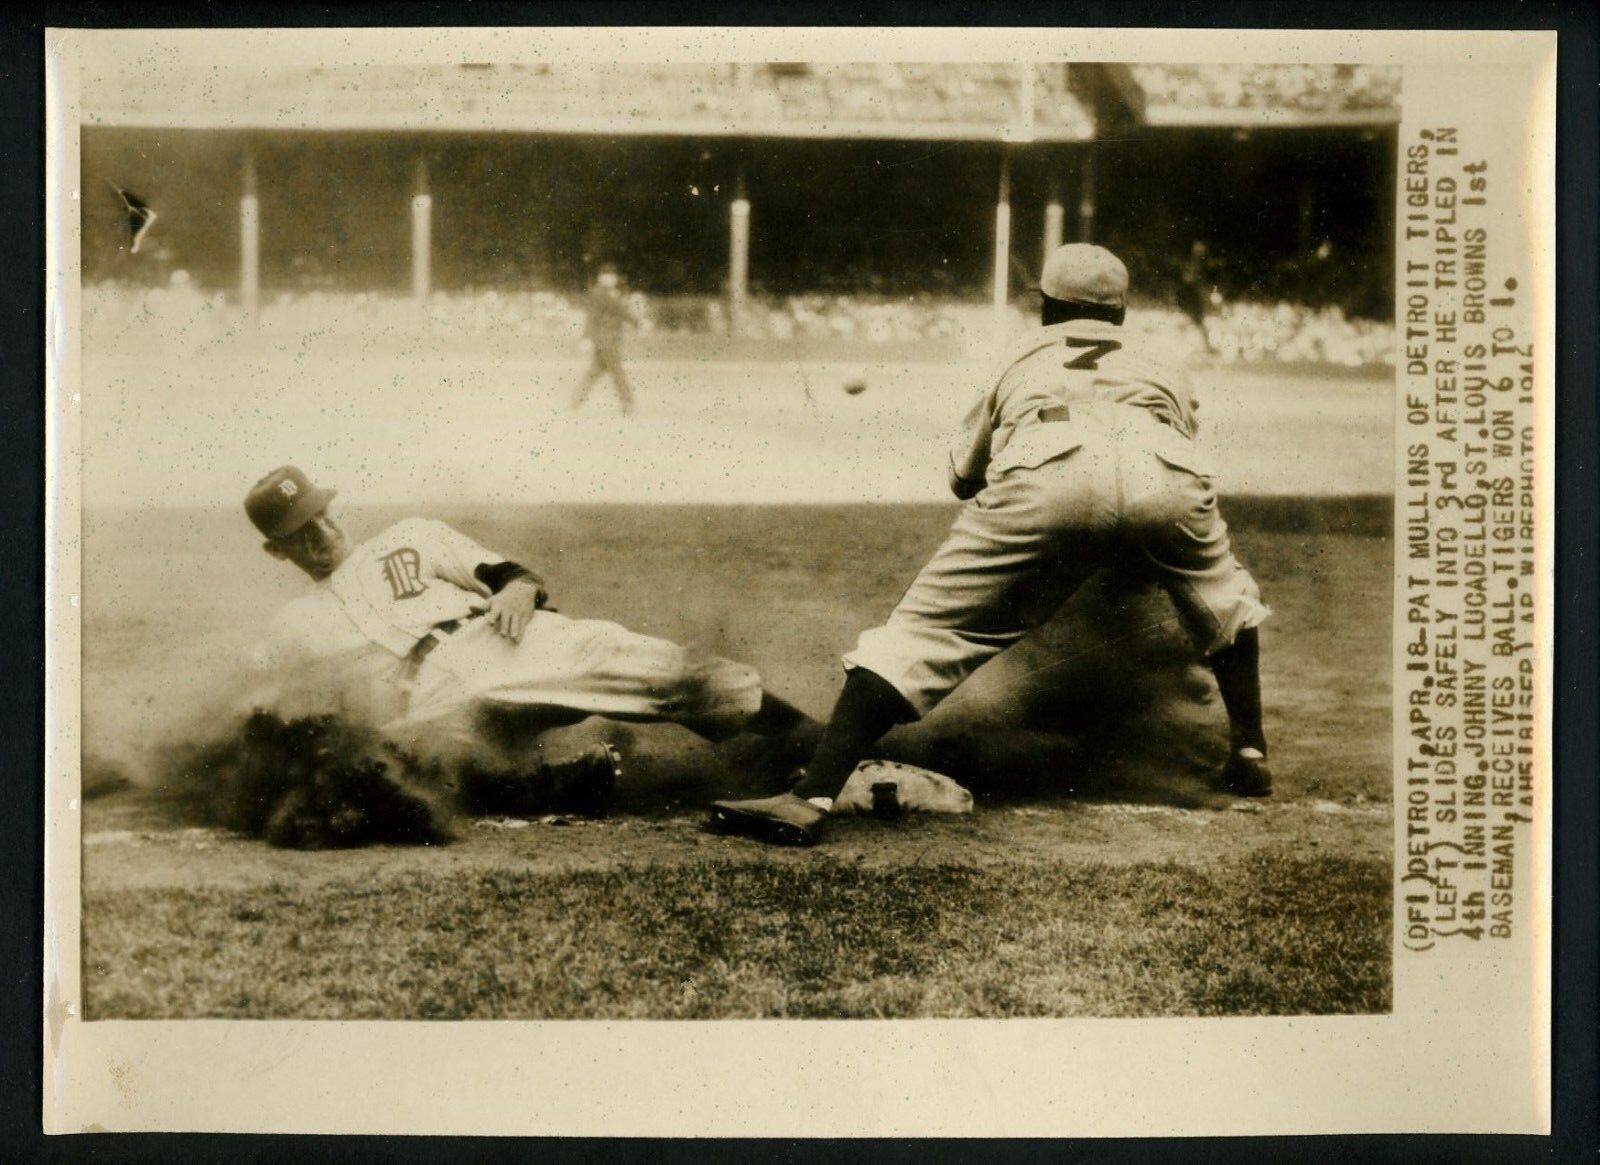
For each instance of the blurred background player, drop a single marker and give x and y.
(1196, 285)
(608, 317)
(1080, 457)
(416, 630)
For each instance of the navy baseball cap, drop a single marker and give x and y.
(284, 500)
(1084, 273)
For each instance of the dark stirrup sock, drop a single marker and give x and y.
(1238, 671)
(867, 707)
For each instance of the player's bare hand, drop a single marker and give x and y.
(512, 607)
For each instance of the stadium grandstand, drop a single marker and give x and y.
(868, 203)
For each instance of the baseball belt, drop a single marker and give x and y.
(1060, 413)
(424, 648)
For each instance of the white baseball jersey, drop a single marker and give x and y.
(340, 648)
(344, 648)
(412, 577)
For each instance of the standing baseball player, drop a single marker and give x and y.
(419, 628)
(1195, 287)
(608, 317)
(1080, 456)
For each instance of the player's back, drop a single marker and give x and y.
(1089, 360)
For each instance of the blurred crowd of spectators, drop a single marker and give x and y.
(1293, 333)
(1234, 331)
(847, 317)
(1297, 88)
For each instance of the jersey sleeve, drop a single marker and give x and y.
(972, 447)
(1183, 388)
(456, 557)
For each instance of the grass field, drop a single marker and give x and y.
(1265, 934)
(1099, 876)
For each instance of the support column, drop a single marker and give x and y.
(1307, 218)
(1027, 100)
(1055, 217)
(1002, 241)
(739, 244)
(249, 241)
(1086, 199)
(421, 234)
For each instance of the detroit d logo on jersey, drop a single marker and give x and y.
(403, 572)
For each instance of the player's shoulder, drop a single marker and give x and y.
(1150, 358)
(411, 530)
(1026, 354)
(1144, 346)
(415, 525)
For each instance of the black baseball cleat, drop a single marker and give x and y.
(782, 820)
(1247, 774)
(584, 784)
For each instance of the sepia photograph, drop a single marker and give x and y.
(806, 534)
(524, 516)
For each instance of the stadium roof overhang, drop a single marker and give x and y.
(993, 102)
(598, 127)
(768, 101)
(1177, 118)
